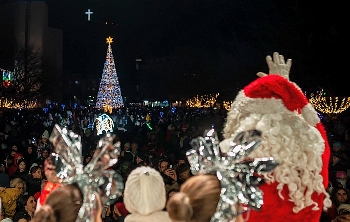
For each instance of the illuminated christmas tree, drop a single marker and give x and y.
(109, 94)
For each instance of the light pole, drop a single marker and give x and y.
(138, 61)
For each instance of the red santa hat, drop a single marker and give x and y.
(276, 94)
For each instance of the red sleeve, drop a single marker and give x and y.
(122, 208)
(11, 170)
(332, 212)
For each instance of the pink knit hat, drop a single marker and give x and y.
(340, 174)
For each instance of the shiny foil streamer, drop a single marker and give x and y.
(95, 177)
(239, 176)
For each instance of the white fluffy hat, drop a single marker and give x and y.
(144, 191)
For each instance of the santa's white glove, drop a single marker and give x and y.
(277, 66)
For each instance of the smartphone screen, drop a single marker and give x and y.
(104, 211)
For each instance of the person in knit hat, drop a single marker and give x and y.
(144, 196)
(45, 135)
(44, 144)
(14, 167)
(126, 148)
(293, 135)
(341, 178)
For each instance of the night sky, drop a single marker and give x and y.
(224, 42)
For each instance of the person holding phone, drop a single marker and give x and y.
(169, 175)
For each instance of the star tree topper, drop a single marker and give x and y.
(109, 40)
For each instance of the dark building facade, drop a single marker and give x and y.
(24, 24)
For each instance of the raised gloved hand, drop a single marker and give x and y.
(277, 66)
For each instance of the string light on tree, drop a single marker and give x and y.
(202, 101)
(12, 104)
(329, 104)
(109, 94)
(227, 104)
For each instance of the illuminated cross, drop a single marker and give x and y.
(109, 40)
(89, 13)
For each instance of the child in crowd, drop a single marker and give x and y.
(144, 196)
(197, 200)
(63, 205)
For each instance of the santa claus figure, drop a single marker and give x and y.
(293, 135)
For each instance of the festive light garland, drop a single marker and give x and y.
(227, 104)
(12, 104)
(205, 101)
(329, 104)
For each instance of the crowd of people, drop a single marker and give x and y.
(159, 183)
(160, 144)
(339, 166)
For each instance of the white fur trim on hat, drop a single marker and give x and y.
(273, 93)
(310, 115)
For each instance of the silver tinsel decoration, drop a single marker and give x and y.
(238, 175)
(95, 177)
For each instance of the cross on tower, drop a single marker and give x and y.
(89, 13)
